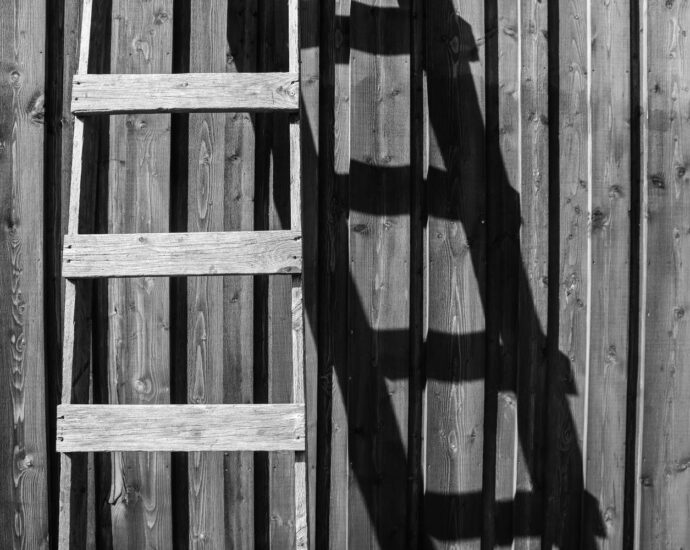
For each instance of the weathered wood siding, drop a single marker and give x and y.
(24, 458)
(495, 287)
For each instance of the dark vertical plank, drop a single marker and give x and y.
(568, 368)
(610, 252)
(333, 246)
(456, 344)
(665, 445)
(378, 301)
(419, 115)
(23, 461)
(274, 524)
(534, 273)
(310, 66)
(139, 308)
(281, 465)
(238, 292)
(205, 294)
(503, 149)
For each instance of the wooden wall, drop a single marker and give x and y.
(496, 223)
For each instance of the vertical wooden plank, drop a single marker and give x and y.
(634, 529)
(568, 369)
(456, 343)
(418, 264)
(534, 273)
(90, 54)
(310, 67)
(63, 51)
(238, 292)
(333, 481)
(378, 301)
(204, 294)
(274, 55)
(296, 300)
(610, 252)
(23, 461)
(138, 355)
(665, 446)
(503, 150)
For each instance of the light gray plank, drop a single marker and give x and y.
(183, 254)
(200, 92)
(180, 428)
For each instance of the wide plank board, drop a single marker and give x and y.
(205, 314)
(183, 254)
(197, 92)
(180, 428)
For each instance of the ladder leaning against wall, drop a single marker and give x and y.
(184, 428)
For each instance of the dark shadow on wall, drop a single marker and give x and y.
(459, 186)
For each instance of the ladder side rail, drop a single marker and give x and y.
(301, 530)
(65, 512)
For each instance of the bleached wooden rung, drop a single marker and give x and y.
(195, 92)
(183, 428)
(182, 254)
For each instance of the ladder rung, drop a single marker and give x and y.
(182, 254)
(183, 428)
(200, 92)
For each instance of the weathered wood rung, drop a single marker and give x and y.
(183, 428)
(182, 254)
(192, 92)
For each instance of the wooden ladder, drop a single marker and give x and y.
(105, 428)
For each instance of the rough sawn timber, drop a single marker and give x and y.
(166, 254)
(200, 92)
(180, 428)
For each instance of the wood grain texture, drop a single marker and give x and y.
(164, 254)
(24, 458)
(456, 342)
(533, 282)
(238, 299)
(568, 369)
(138, 309)
(205, 294)
(182, 428)
(665, 437)
(378, 301)
(610, 228)
(310, 69)
(296, 297)
(150, 93)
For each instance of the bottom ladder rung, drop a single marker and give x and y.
(184, 428)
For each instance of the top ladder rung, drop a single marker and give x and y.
(193, 92)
